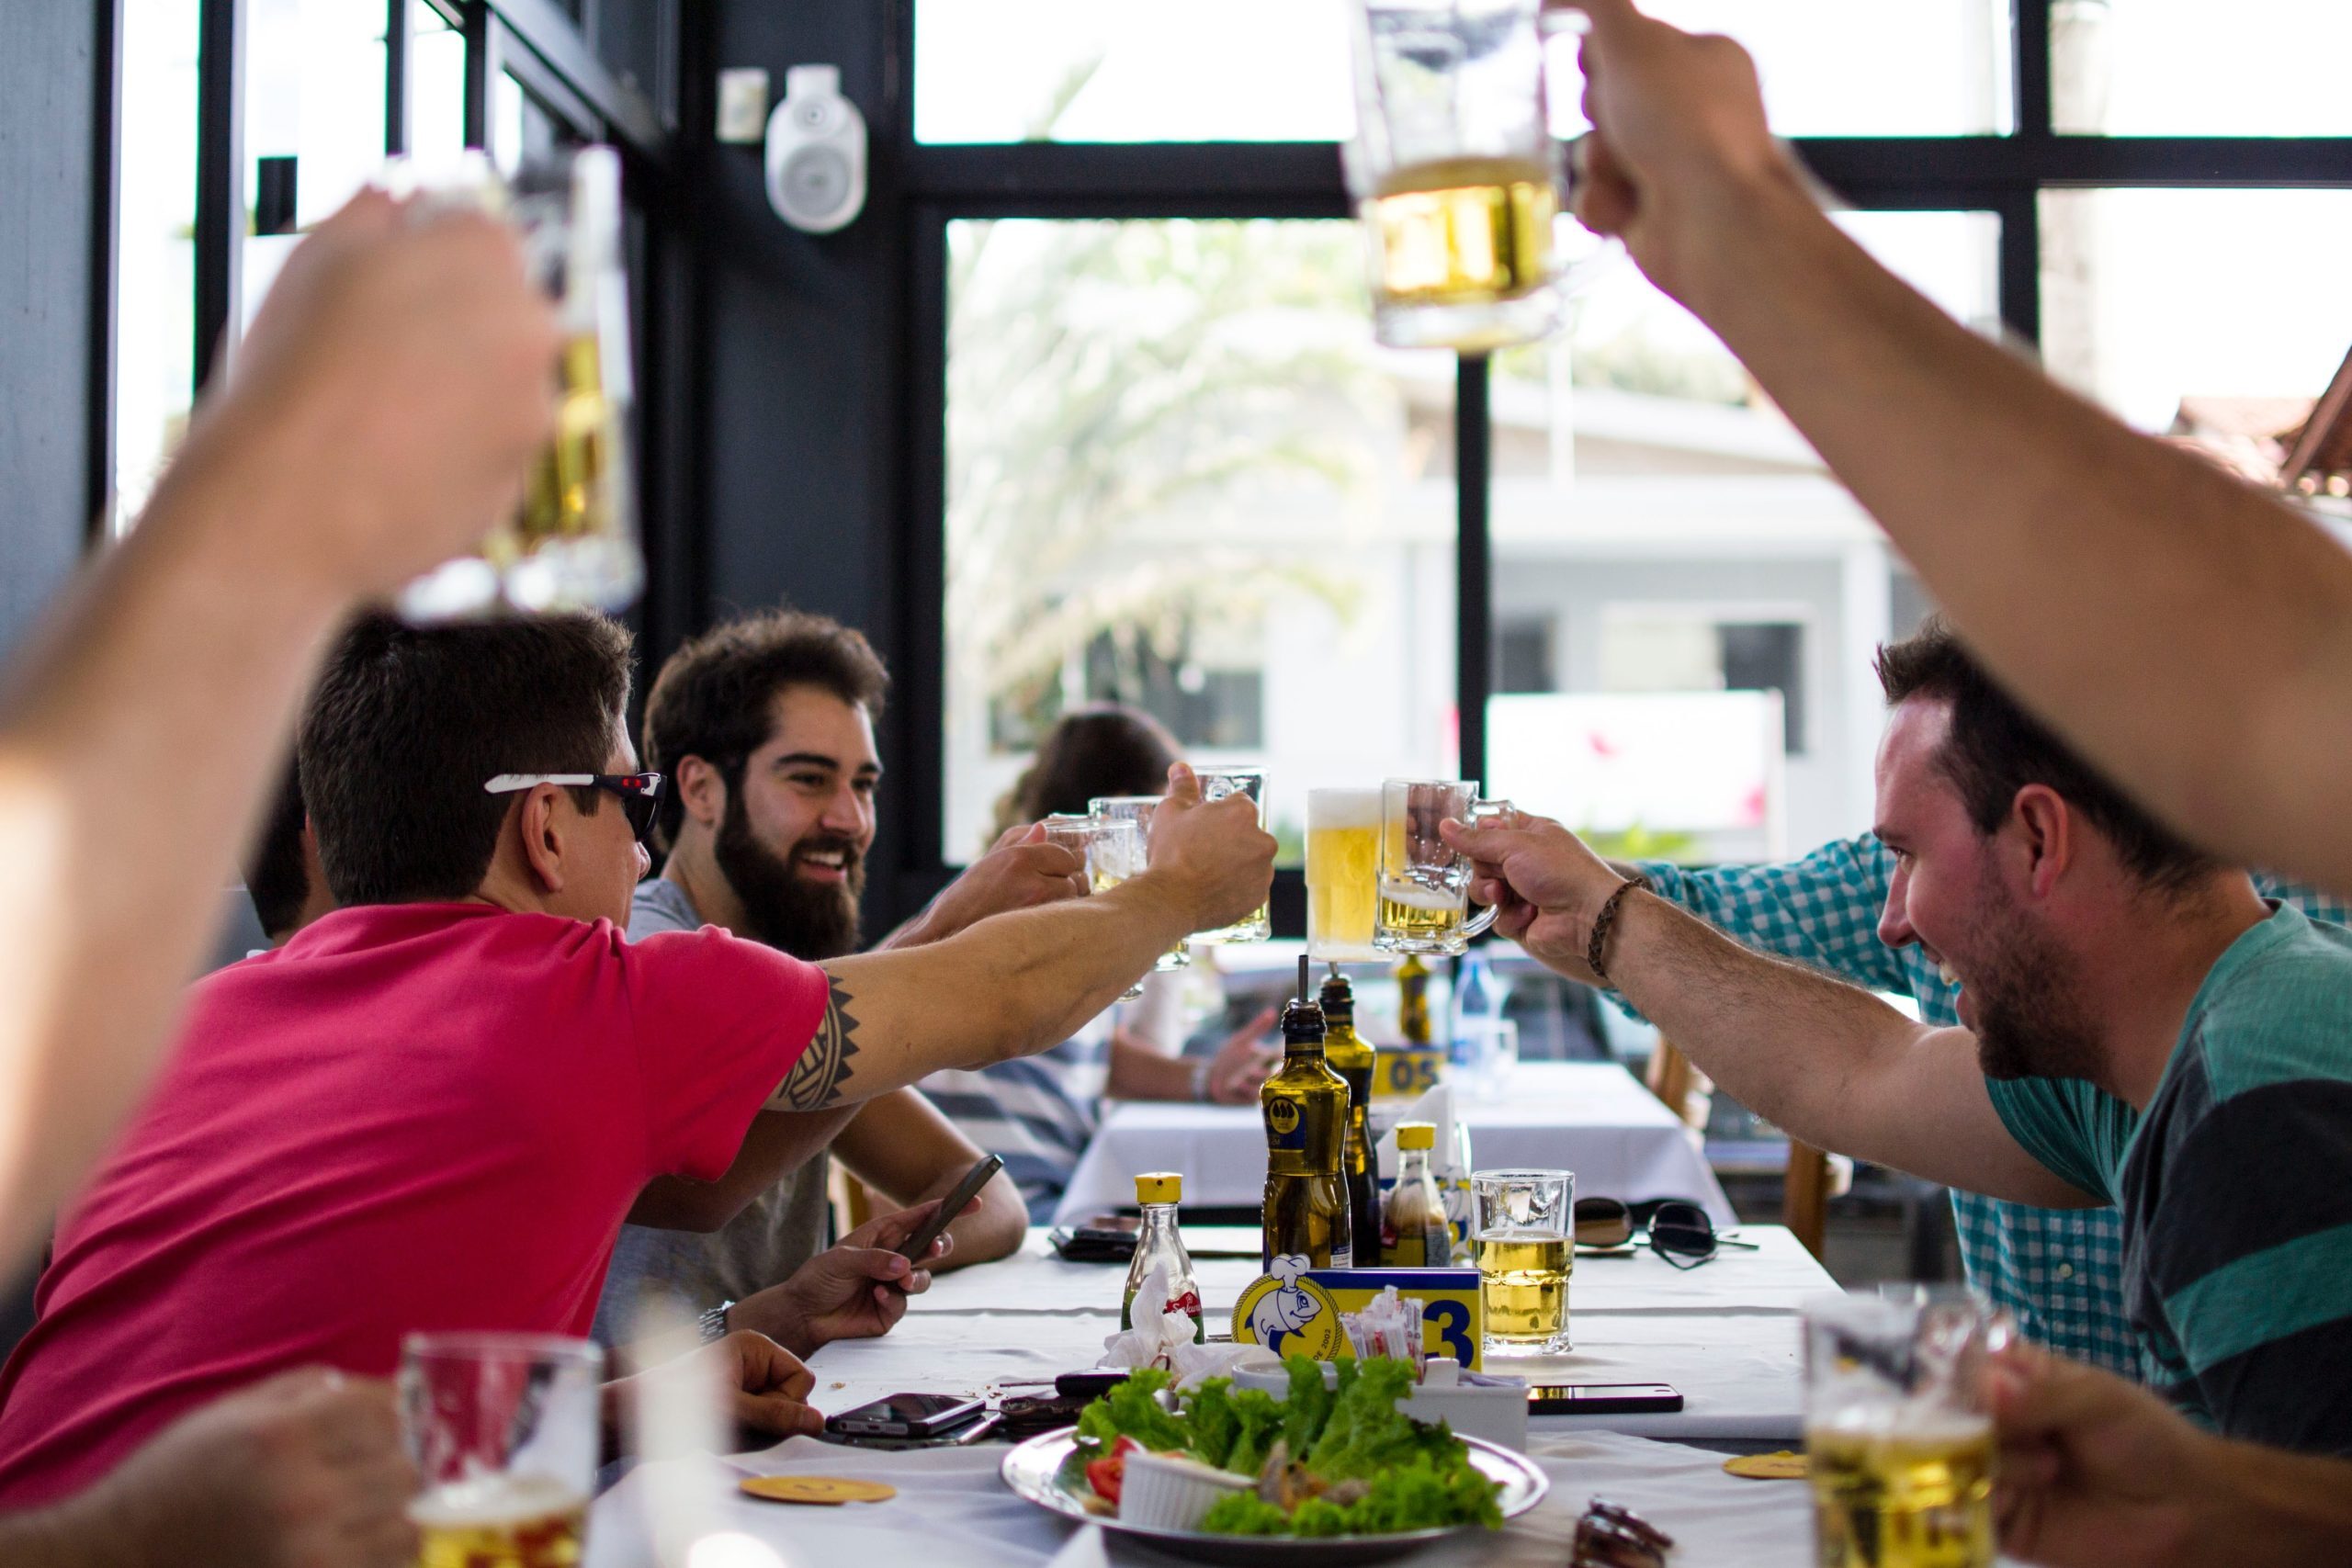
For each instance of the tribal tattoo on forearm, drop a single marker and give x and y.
(815, 1080)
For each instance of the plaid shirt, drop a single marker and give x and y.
(2060, 1271)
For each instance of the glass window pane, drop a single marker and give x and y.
(436, 104)
(314, 93)
(2191, 68)
(1239, 71)
(2197, 310)
(1688, 599)
(155, 257)
(1181, 476)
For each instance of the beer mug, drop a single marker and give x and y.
(1898, 1430)
(1125, 852)
(1215, 784)
(1454, 173)
(504, 1431)
(1342, 873)
(1523, 1223)
(572, 545)
(1424, 885)
(1097, 844)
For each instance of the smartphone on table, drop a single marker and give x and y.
(906, 1416)
(915, 1245)
(1603, 1399)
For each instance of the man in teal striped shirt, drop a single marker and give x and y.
(2139, 1027)
(2059, 1271)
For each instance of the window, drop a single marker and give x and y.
(1181, 477)
(436, 103)
(154, 335)
(314, 116)
(2190, 68)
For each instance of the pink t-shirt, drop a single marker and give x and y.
(414, 1116)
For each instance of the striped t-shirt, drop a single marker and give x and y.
(2235, 1187)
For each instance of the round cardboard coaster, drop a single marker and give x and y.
(1786, 1465)
(830, 1491)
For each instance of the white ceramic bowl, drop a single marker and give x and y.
(1160, 1492)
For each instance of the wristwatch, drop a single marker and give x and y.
(713, 1322)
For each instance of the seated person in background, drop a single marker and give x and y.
(433, 1108)
(2060, 1271)
(1041, 1112)
(2139, 1027)
(763, 731)
(282, 875)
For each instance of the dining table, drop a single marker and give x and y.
(1725, 1334)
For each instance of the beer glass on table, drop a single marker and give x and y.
(1126, 852)
(1899, 1443)
(1215, 784)
(572, 545)
(1097, 844)
(1424, 884)
(503, 1428)
(1523, 1227)
(1342, 873)
(1454, 173)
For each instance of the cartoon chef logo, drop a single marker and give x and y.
(1287, 1313)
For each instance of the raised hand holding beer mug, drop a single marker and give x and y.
(505, 1430)
(1424, 881)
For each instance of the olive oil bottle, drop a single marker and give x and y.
(1305, 1109)
(1351, 1056)
(1413, 1000)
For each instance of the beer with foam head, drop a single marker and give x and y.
(500, 1521)
(1343, 874)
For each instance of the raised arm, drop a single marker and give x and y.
(383, 409)
(1023, 982)
(2192, 635)
(1831, 1065)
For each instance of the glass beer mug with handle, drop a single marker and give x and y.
(1455, 172)
(503, 1429)
(1215, 784)
(1342, 873)
(1125, 853)
(572, 545)
(1424, 884)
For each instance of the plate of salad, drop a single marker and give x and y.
(1332, 1476)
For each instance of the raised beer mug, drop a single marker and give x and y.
(1424, 883)
(1454, 173)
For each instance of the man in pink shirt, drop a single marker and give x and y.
(433, 1108)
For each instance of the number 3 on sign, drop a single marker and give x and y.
(1450, 1321)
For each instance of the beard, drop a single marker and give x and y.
(811, 920)
(2030, 1015)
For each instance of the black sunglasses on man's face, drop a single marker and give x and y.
(639, 793)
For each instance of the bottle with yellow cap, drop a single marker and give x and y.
(1159, 1245)
(1412, 1228)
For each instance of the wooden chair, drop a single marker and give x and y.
(1810, 1181)
(852, 1201)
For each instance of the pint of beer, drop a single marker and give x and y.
(503, 1428)
(1424, 884)
(1523, 1224)
(1898, 1434)
(1342, 873)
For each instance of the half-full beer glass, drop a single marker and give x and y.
(1342, 873)
(1126, 852)
(1424, 885)
(572, 543)
(1898, 1434)
(503, 1429)
(1523, 1224)
(1215, 784)
(1453, 172)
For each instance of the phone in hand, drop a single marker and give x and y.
(1603, 1399)
(915, 1245)
(906, 1416)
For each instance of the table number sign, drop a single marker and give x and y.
(1293, 1310)
(1398, 1072)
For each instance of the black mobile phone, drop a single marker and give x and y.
(951, 1206)
(1088, 1386)
(1603, 1399)
(906, 1416)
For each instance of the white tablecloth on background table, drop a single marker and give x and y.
(1724, 1333)
(1593, 1118)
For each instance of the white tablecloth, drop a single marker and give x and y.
(1593, 1118)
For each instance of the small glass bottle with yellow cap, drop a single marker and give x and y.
(1159, 1245)
(1412, 1227)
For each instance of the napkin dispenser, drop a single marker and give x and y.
(1295, 1312)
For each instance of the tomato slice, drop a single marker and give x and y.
(1109, 1472)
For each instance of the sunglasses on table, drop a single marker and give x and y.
(1678, 1230)
(639, 793)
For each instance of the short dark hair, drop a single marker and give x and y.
(714, 697)
(1996, 749)
(1104, 750)
(408, 724)
(276, 879)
